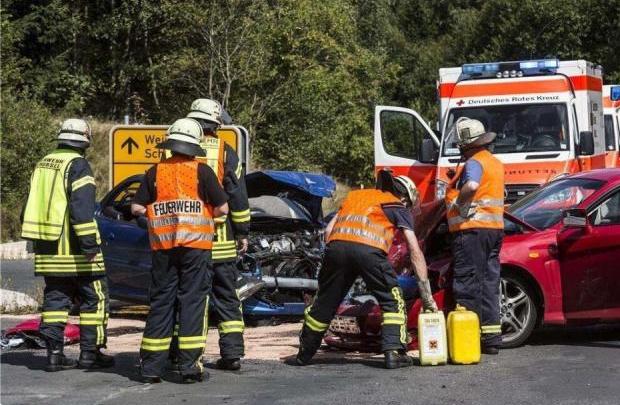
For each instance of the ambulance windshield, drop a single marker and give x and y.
(520, 127)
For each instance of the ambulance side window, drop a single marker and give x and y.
(402, 134)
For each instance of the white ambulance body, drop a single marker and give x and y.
(547, 115)
(611, 111)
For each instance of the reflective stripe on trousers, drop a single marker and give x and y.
(476, 217)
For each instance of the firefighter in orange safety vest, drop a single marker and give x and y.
(180, 197)
(358, 240)
(475, 203)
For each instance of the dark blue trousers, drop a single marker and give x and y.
(477, 278)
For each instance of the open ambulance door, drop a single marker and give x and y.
(406, 144)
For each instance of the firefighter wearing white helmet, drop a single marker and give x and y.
(180, 197)
(59, 220)
(475, 202)
(358, 241)
(231, 231)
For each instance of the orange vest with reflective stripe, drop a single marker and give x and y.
(361, 219)
(179, 217)
(489, 198)
(214, 149)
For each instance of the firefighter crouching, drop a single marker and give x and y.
(475, 201)
(180, 198)
(358, 238)
(230, 230)
(59, 219)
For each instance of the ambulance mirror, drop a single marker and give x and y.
(614, 93)
(586, 143)
(428, 153)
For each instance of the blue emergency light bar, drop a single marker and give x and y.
(614, 93)
(509, 69)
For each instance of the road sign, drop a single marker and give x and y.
(133, 148)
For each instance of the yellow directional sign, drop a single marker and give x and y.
(133, 148)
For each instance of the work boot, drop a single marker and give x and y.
(57, 361)
(193, 375)
(173, 363)
(95, 359)
(492, 350)
(146, 378)
(397, 359)
(228, 364)
(304, 356)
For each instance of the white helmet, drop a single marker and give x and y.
(184, 137)
(471, 133)
(405, 184)
(206, 109)
(75, 132)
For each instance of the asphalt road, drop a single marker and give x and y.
(565, 366)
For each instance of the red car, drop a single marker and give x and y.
(560, 263)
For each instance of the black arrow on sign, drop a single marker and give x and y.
(130, 143)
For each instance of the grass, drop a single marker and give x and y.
(98, 155)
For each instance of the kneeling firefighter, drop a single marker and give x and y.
(180, 197)
(59, 219)
(359, 238)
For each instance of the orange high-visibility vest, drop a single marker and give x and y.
(489, 198)
(361, 219)
(179, 217)
(214, 150)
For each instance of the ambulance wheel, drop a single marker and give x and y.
(518, 310)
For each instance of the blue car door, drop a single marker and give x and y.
(125, 244)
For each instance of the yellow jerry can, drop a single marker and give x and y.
(463, 336)
(432, 338)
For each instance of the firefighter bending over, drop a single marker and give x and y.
(359, 238)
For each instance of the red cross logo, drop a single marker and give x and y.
(460, 103)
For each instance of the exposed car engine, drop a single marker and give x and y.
(284, 251)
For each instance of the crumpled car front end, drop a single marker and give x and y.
(286, 240)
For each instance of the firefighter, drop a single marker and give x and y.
(475, 201)
(180, 197)
(359, 238)
(231, 232)
(59, 219)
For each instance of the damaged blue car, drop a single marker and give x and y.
(285, 242)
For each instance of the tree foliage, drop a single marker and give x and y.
(303, 76)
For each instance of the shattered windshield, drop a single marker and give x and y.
(520, 128)
(543, 208)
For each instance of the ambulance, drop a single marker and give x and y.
(548, 116)
(611, 111)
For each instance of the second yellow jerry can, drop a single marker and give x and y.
(432, 338)
(463, 336)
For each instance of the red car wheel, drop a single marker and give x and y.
(518, 309)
